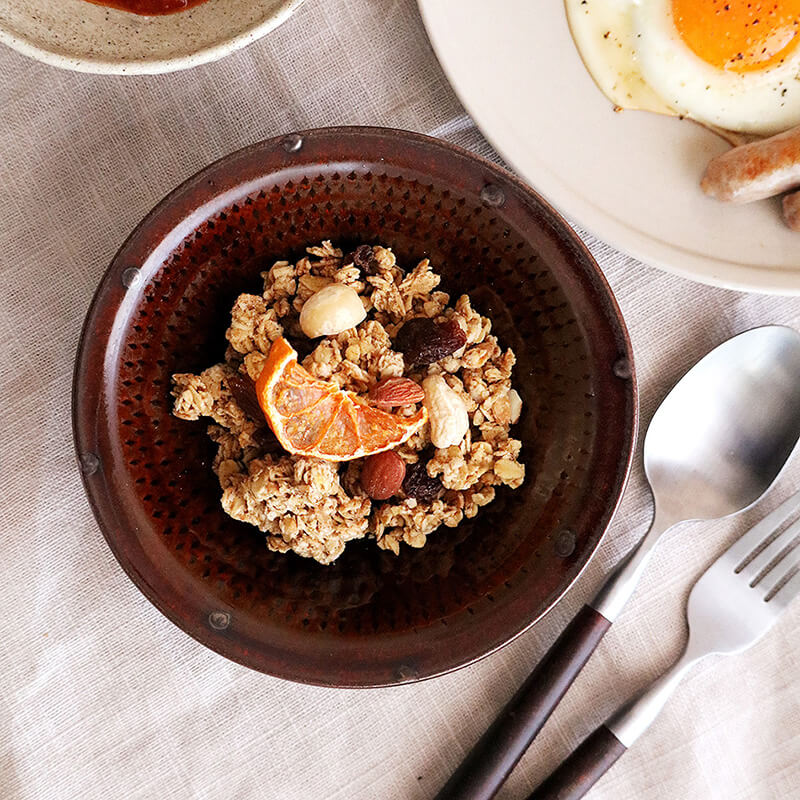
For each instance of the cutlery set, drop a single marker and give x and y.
(713, 448)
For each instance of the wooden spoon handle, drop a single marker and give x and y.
(496, 753)
(582, 769)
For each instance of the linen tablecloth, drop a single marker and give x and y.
(101, 696)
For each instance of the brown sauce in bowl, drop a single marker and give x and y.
(149, 6)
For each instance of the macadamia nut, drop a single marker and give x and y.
(331, 310)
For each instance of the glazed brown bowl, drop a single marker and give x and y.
(371, 618)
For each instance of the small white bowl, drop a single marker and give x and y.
(82, 36)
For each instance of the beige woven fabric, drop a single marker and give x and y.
(101, 696)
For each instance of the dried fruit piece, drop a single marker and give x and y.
(423, 341)
(452, 334)
(410, 340)
(391, 392)
(382, 475)
(244, 392)
(331, 310)
(419, 485)
(364, 258)
(447, 412)
(312, 417)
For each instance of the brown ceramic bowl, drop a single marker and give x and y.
(371, 618)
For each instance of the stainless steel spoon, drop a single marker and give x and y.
(714, 446)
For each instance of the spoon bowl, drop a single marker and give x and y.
(724, 432)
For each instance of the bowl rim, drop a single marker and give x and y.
(84, 419)
(150, 66)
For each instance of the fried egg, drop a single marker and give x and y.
(729, 64)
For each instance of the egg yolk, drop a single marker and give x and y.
(738, 35)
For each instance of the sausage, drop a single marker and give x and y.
(756, 170)
(791, 210)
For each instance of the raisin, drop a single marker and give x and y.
(363, 258)
(452, 333)
(413, 333)
(244, 392)
(423, 341)
(418, 484)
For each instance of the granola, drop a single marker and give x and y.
(313, 506)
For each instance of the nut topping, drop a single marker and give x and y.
(333, 309)
(382, 475)
(392, 392)
(446, 411)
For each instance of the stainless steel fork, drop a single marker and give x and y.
(733, 604)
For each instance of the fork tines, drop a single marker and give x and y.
(764, 552)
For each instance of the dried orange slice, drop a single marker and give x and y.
(312, 417)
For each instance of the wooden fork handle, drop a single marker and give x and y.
(582, 769)
(497, 752)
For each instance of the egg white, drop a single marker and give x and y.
(636, 56)
(604, 33)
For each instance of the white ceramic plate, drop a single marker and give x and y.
(78, 35)
(630, 177)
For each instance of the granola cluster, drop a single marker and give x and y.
(312, 506)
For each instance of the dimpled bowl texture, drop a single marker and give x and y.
(76, 34)
(371, 618)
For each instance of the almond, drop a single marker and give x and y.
(382, 475)
(396, 392)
